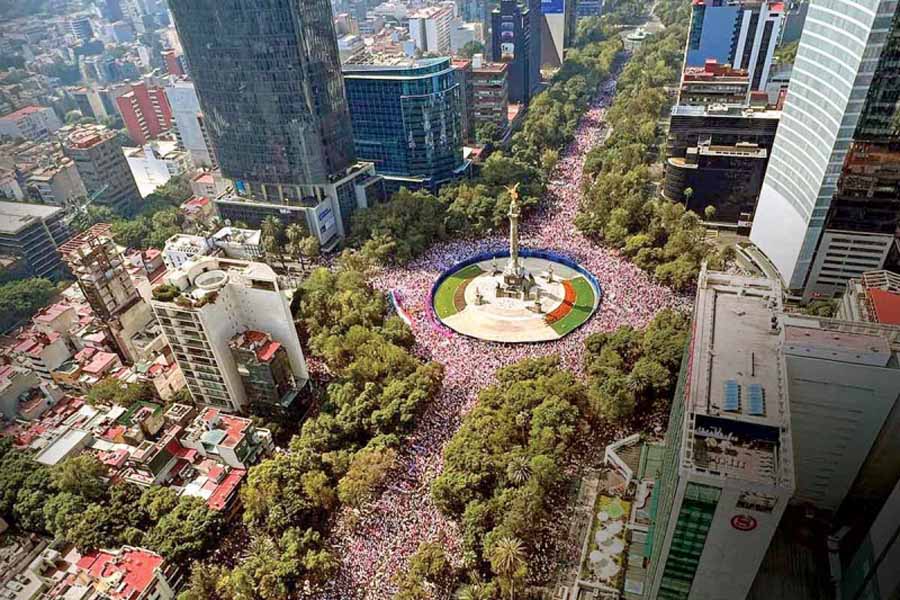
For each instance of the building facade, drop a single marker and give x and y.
(145, 111)
(514, 42)
(429, 29)
(34, 233)
(265, 370)
(204, 304)
(557, 30)
(727, 178)
(727, 473)
(490, 94)
(189, 123)
(740, 33)
(102, 166)
(31, 123)
(713, 83)
(286, 139)
(407, 120)
(726, 125)
(829, 206)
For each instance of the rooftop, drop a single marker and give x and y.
(23, 112)
(736, 394)
(886, 306)
(124, 575)
(258, 342)
(15, 216)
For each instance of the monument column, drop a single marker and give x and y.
(513, 269)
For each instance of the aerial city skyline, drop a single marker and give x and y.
(431, 299)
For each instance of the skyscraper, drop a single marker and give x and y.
(830, 203)
(513, 39)
(268, 76)
(728, 469)
(742, 33)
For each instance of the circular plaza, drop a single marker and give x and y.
(543, 297)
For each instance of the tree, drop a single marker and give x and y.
(273, 238)
(709, 213)
(488, 134)
(22, 298)
(366, 473)
(186, 532)
(470, 49)
(83, 475)
(401, 229)
(508, 561)
(295, 233)
(111, 391)
(61, 512)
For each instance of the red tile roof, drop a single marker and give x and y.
(22, 112)
(222, 495)
(134, 568)
(886, 305)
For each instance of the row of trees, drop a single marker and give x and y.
(294, 241)
(342, 454)
(503, 468)
(74, 502)
(620, 205)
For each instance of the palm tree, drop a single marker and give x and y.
(508, 561)
(272, 233)
(295, 234)
(518, 471)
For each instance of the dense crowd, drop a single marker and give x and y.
(374, 543)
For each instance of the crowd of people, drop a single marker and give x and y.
(375, 543)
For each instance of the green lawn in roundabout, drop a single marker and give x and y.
(581, 311)
(444, 297)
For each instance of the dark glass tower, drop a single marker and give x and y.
(268, 77)
(513, 42)
(406, 119)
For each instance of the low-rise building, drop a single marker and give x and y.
(265, 371)
(242, 244)
(873, 298)
(182, 248)
(154, 164)
(231, 439)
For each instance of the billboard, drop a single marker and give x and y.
(553, 7)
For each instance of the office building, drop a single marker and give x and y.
(31, 122)
(265, 371)
(33, 233)
(145, 111)
(204, 304)
(406, 119)
(490, 94)
(741, 33)
(728, 178)
(80, 27)
(89, 102)
(189, 123)
(102, 166)
(512, 43)
(286, 139)
(728, 469)
(465, 33)
(830, 203)
(557, 30)
(430, 28)
(713, 83)
(725, 125)
(111, 10)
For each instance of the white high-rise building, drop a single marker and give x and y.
(728, 471)
(430, 29)
(828, 206)
(204, 304)
(189, 122)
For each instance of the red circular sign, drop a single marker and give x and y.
(743, 522)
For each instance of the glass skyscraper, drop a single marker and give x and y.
(268, 76)
(407, 119)
(829, 204)
(269, 80)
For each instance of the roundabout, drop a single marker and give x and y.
(520, 296)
